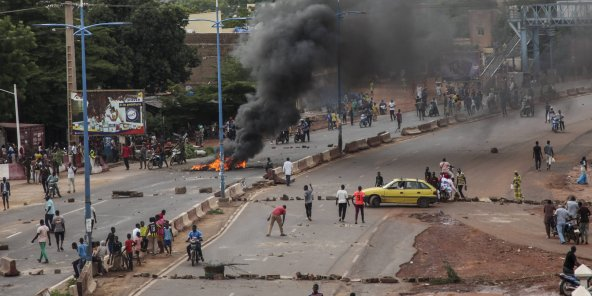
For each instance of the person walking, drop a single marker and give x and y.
(391, 106)
(461, 183)
(359, 203)
(342, 202)
(287, 168)
(547, 109)
(584, 214)
(49, 212)
(315, 290)
(71, 175)
(59, 229)
(583, 178)
(549, 154)
(5, 189)
(126, 152)
(308, 201)
(42, 237)
(143, 156)
(537, 155)
(351, 115)
(516, 185)
(168, 239)
(110, 240)
(399, 116)
(549, 220)
(278, 215)
(53, 181)
(79, 264)
(562, 217)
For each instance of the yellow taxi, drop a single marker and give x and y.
(402, 191)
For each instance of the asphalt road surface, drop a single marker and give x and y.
(124, 213)
(324, 246)
(379, 246)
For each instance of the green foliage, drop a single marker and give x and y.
(190, 151)
(210, 150)
(59, 293)
(18, 64)
(216, 212)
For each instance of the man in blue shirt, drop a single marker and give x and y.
(194, 234)
(49, 212)
(79, 263)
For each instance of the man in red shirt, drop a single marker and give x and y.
(277, 215)
(129, 252)
(359, 203)
(126, 152)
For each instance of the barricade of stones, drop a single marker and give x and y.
(274, 277)
(126, 194)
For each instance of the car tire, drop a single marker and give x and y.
(374, 201)
(423, 203)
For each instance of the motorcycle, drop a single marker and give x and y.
(555, 124)
(177, 157)
(571, 231)
(570, 283)
(526, 111)
(195, 250)
(154, 161)
(299, 136)
(284, 137)
(364, 120)
(51, 190)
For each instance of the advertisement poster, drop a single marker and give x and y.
(110, 112)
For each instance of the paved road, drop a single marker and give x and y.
(408, 158)
(124, 213)
(379, 246)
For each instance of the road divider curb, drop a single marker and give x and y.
(8, 267)
(374, 141)
(410, 131)
(85, 284)
(385, 137)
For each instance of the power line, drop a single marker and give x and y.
(60, 5)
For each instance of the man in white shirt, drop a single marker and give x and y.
(342, 201)
(392, 110)
(43, 236)
(287, 168)
(71, 175)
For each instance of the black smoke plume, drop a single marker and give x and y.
(291, 40)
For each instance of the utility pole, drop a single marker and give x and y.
(70, 63)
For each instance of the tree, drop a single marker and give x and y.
(18, 65)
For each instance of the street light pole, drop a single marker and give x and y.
(16, 111)
(339, 110)
(220, 115)
(218, 23)
(83, 31)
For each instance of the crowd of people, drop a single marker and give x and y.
(155, 237)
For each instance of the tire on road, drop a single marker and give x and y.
(423, 202)
(374, 201)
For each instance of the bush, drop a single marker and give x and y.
(210, 150)
(189, 151)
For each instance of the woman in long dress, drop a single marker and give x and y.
(583, 179)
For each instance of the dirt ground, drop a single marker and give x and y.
(482, 262)
(123, 283)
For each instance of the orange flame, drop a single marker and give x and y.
(215, 165)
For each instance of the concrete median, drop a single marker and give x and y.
(179, 223)
(442, 122)
(362, 144)
(192, 215)
(317, 158)
(460, 117)
(572, 92)
(212, 203)
(351, 147)
(410, 131)
(85, 284)
(331, 154)
(374, 141)
(205, 206)
(581, 90)
(385, 137)
(8, 267)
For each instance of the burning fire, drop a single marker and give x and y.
(215, 165)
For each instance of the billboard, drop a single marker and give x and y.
(110, 112)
